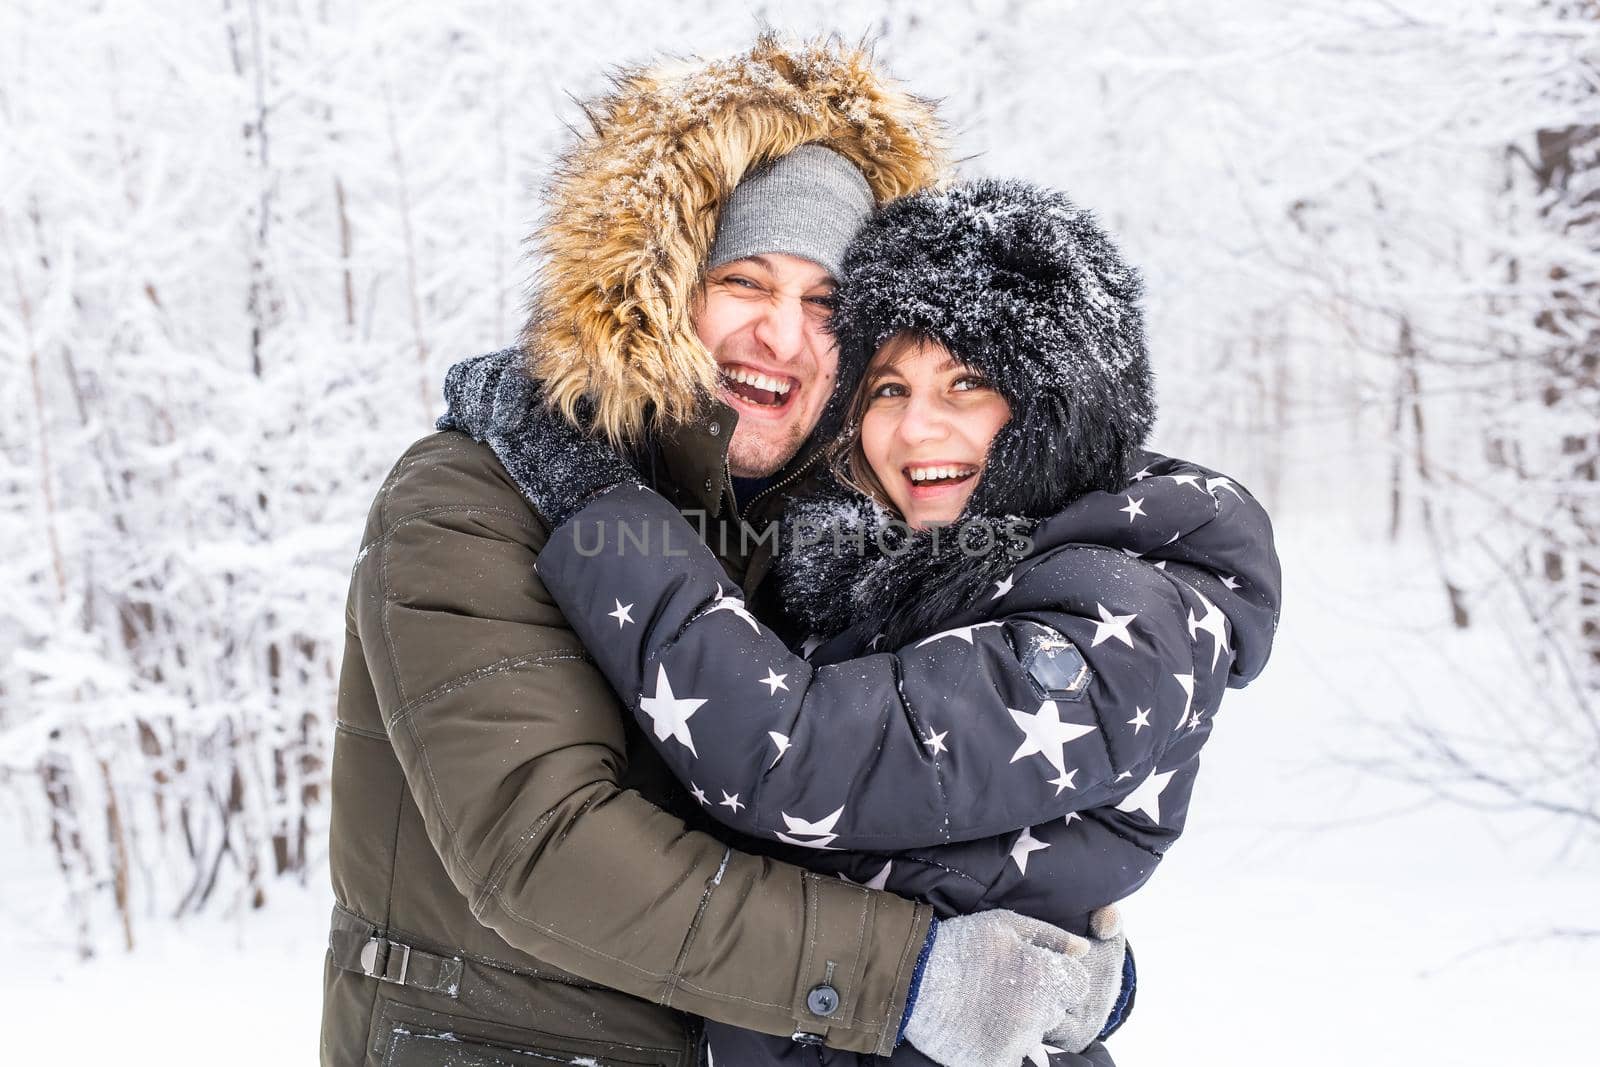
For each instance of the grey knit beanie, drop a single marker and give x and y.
(809, 203)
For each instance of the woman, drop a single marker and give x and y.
(1027, 737)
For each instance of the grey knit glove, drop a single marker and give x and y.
(993, 984)
(1103, 962)
(558, 466)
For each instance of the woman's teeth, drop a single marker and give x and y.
(760, 381)
(924, 475)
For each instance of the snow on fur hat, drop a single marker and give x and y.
(1017, 281)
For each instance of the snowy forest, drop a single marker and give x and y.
(241, 240)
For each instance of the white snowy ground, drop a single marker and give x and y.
(1312, 915)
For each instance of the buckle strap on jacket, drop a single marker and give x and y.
(357, 945)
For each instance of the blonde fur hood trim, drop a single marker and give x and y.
(632, 211)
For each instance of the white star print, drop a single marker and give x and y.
(1141, 719)
(1002, 587)
(621, 614)
(1187, 681)
(1230, 581)
(730, 802)
(877, 881)
(1146, 797)
(1142, 475)
(1214, 623)
(1040, 1054)
(669, 713)
(1194, 720)
(822, 830)
(1213, 484)
(699, 794)
(934, 742)
(735, 605)
(774, 681)
(1112, 626)
(1134, 509)
(1124, 776)
(1025, 846)
(1044, 733)
(1188, 479)
(1064, 780)
(1070, 817)
(810, 645)
(782, 741)
(963, 632)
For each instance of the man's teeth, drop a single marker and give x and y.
(760, 381)
(930, 474)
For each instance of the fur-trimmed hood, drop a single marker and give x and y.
(632, 211)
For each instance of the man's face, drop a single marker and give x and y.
(765, 320)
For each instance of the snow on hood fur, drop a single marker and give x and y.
(1020, 283)
(632, 211)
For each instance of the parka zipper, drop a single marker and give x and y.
(790, 480)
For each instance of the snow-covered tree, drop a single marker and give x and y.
(239, 245)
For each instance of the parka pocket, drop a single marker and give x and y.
(416, 1037)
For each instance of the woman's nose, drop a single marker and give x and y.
(924, 420)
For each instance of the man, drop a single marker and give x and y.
(514, 874)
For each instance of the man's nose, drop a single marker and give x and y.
(782, 328)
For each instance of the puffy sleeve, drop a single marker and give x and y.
(1059, 692)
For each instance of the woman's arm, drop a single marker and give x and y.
(1053, 695)
(1059, 699)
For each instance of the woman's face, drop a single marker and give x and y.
(926, 428)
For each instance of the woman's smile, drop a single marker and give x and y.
(929, 481)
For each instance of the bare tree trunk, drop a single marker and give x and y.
(1564, 166)
(118, 843)
(413, 283)
(344, 254)
(55, 773)
(1410, 394)
(46, 471)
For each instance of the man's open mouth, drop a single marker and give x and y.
(770, 391)
(938, 476)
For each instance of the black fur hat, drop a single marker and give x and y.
(1017, 281)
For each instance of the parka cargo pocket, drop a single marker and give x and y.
(410, 1036)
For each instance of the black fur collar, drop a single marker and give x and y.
(846, 564)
